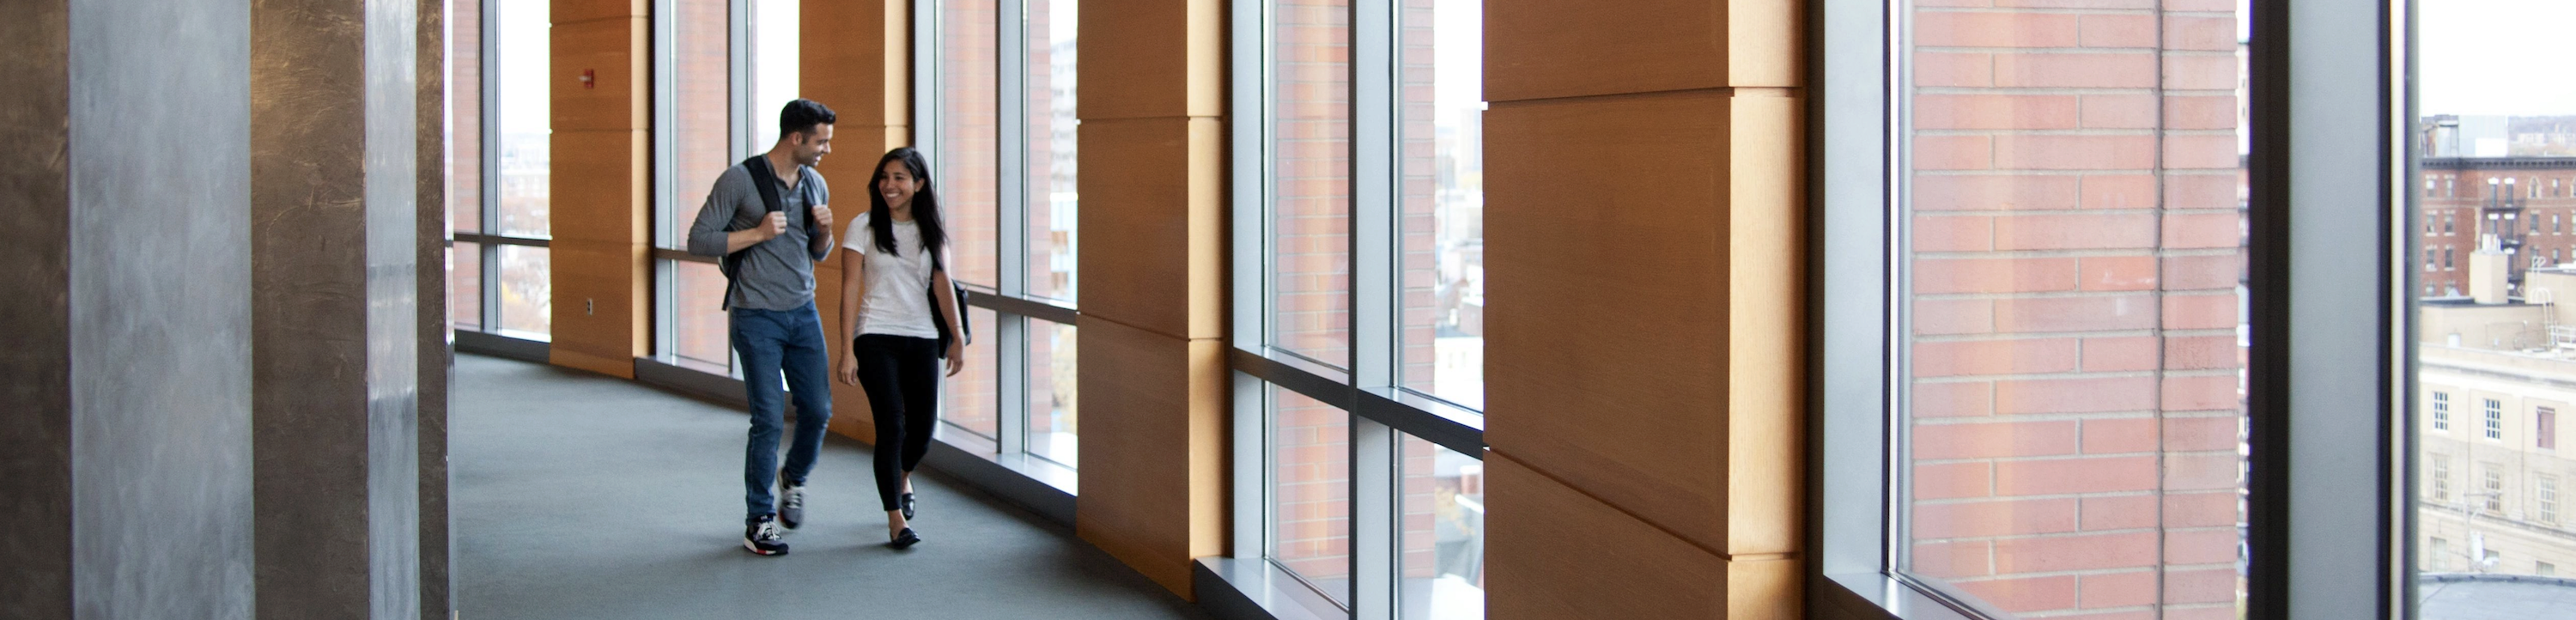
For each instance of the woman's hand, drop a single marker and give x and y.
(847, 369)
(956, 357)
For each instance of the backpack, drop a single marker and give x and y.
(764, 177)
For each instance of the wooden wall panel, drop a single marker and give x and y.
(600, 186)
(1561, 48)
(1162, 51)
(608, 334)
(1156, 497)
(599, 202)
(1554, 552)
(857, 60)
(1645, 352)
(1154, 385)
(1159, 204)
(614, 51)
(1603, 363)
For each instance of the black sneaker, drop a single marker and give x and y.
(791, 505)
(763, 538)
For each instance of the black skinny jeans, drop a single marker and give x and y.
(901, 376)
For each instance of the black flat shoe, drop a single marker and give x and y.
(907, 506)
(904, 539)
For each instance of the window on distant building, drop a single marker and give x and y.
(2495, 418)
(2441, 478)
(2544, 428)
(2441, 411)
(2545, 495)
(2447, 255)
(2494, 492)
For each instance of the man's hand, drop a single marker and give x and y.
(822, 216)
(773, 225)
(770, 227)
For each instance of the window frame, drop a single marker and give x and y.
(487, 237)
(1007, 297)
(2320, 321)
(1366, 385)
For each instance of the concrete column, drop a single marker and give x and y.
(334, 258)
(437, 355)
(125, 426)
(857, 58)
(600, 204)
(1643, 342)
(1155, 422)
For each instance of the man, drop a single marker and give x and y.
(770, 244)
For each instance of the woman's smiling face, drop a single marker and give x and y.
(897, 184)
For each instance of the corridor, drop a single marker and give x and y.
(583, 496)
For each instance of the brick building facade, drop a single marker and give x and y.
(2074, 275)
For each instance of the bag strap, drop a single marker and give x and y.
(765, 178)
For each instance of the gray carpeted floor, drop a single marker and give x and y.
(581, 496)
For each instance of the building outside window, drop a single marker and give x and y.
(2495, 419)
(2441, 411)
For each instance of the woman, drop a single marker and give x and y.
(890, 256)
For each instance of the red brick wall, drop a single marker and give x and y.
(2075, 258)
(2462, 202)
(465, 162)
(1310, 172)
(1311, 492)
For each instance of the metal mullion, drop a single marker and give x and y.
(1855, 70)
(1251, 181)
(2327, 523)
(1372, 302)
(1011, 370)
(489, 214)
(1011, 125)
(1372, 199)
(1375, 500)
(665, 120)
(1251, 468)
(739, 116)
(925, 80)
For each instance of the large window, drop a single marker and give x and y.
(2500, 329)
(498, 186)
(725, 68)
(996, 94)
(1359, 297)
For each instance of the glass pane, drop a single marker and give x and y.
(465, 117)
(701, 111)
(527, 309)
(1310, 181)
(701, 329)
(1052, 392)
(974, 395)
(1051, 154)
(1310, 491)
(1442, 198)
(2493, 344)
(2074, 429)
(968, 181)
(465, 287)
(774, 65)
(1443, 570)
(525, 115)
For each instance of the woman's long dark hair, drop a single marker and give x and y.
(925, 206)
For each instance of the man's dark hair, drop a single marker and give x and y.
(802, 115)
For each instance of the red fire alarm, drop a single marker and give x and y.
(588, 80)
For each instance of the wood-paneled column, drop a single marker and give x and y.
(1644, 224)
(856, 57)
(1154, 387)
(334, 243)
(600, 205)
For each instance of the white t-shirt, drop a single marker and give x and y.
(898, 293)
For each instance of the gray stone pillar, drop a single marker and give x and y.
(437, 353)
(125, 313)
(334, 253)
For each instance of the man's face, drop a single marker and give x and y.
(813, 144)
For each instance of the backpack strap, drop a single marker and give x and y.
(765, 178)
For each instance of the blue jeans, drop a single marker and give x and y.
(771, 342)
